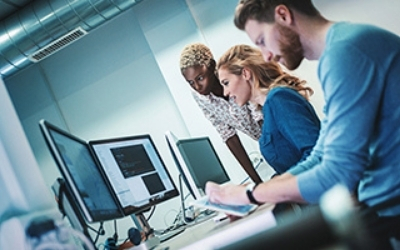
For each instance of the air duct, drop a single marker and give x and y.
(46, 26)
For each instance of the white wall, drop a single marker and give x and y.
(123, 79)
(107, 84)
(18, 166)
(168, 28)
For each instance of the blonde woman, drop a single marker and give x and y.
(197, 66)
(291, 126)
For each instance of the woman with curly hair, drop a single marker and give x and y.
(291, 126)
(197, 66)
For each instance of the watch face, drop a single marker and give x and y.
(250, 186)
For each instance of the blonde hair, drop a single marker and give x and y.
(265, 75)
(196, 54)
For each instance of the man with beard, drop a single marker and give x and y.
(358, 68)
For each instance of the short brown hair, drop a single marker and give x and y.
(263, 10)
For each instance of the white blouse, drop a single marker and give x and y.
(227, 116)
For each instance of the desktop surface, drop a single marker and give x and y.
(212, 234)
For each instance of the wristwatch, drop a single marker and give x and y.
(249, 191)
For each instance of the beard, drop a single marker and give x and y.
(290, 46)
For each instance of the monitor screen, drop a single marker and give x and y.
(135, 171)
(83, 177)
(197, 162)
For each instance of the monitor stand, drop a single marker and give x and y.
(69, 208)
(204, 215)
(153, 239)
(143, 226)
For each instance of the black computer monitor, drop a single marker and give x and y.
(135, 171)
(91, 192)
(197, 162)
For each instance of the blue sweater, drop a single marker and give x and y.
(360, 75)
(290, 128)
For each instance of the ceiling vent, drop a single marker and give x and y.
(57, 45)
(26, 34)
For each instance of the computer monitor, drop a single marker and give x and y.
(197, 162)
(84, 179)
(135, 171)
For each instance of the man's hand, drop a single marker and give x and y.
(227, 193)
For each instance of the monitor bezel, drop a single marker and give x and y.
(136, 210)
(180, 163)
(88, 215)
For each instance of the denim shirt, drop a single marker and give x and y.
(315, 156)
(290, 129)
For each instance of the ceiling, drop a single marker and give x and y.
(8, 7)
(31, 30)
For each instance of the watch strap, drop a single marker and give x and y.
(249, 192)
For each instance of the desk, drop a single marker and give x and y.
(211, 235)
(334, 224)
